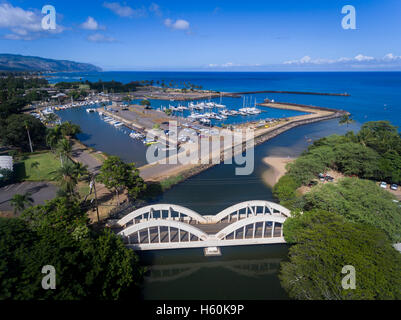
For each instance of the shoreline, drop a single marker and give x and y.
(277, 169)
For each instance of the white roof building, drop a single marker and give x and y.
(6, 162)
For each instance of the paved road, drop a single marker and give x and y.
(40, 191)
(82, 155)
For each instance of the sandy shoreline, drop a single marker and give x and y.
(277, 169)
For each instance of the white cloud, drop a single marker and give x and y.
(361, 57)
(91, 24)
(231, 65)
(177, 25)
(98, 37)
(391, 57)
(308, 60)
(23, 24)
(124, 10)
(359, 61)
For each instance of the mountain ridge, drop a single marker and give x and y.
(17, 62)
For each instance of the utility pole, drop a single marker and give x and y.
(93, 182)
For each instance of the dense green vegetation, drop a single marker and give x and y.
(118, 176)
(349, 222)
(15, 128)
(358, 201)
(102, 86)
(373, 153)
(325, 243)
(17, 92)
(88, 264)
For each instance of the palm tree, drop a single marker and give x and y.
(19, 201)
(346, 119)
(81, 171)
(29, 136)
(64, 148)
(67, 176)
(53, 137)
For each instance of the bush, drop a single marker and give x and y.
(285, 188)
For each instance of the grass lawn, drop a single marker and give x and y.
(46, 164)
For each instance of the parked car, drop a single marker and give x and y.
(383, 185)
(394, 186)
(329, 179)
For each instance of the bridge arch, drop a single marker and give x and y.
(148, 212)
(181, 226)
(241, 224)
(251, 209)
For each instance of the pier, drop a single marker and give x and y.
(168, 226)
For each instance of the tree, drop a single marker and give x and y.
(19, 201)
(89, 265)
(69, 130)
(64, 149)
(358, 200)
(29, 136)
(325, 243)
(146, 103)
(168, 112)
(381, 136)
(68, 175)
(346, 119)
(118, 176)
(356, 159)
(53, 137)
(14, 132)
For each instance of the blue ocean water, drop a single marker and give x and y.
(374, 95)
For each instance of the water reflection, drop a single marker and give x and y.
(243, 272)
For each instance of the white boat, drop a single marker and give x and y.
(136, 135)
(205, 121)
(118, 124)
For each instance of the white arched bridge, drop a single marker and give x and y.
(168, 226)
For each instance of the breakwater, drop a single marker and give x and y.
(345, 94)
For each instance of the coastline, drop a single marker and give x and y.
(277, 169)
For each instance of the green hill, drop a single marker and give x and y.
(12, 62)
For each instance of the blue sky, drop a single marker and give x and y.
(208, 35)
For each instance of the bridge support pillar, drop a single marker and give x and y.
(273, 225)
(264, 229)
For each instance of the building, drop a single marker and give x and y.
(6, 162)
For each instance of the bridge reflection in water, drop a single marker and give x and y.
(167, 226)
(248, 268)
